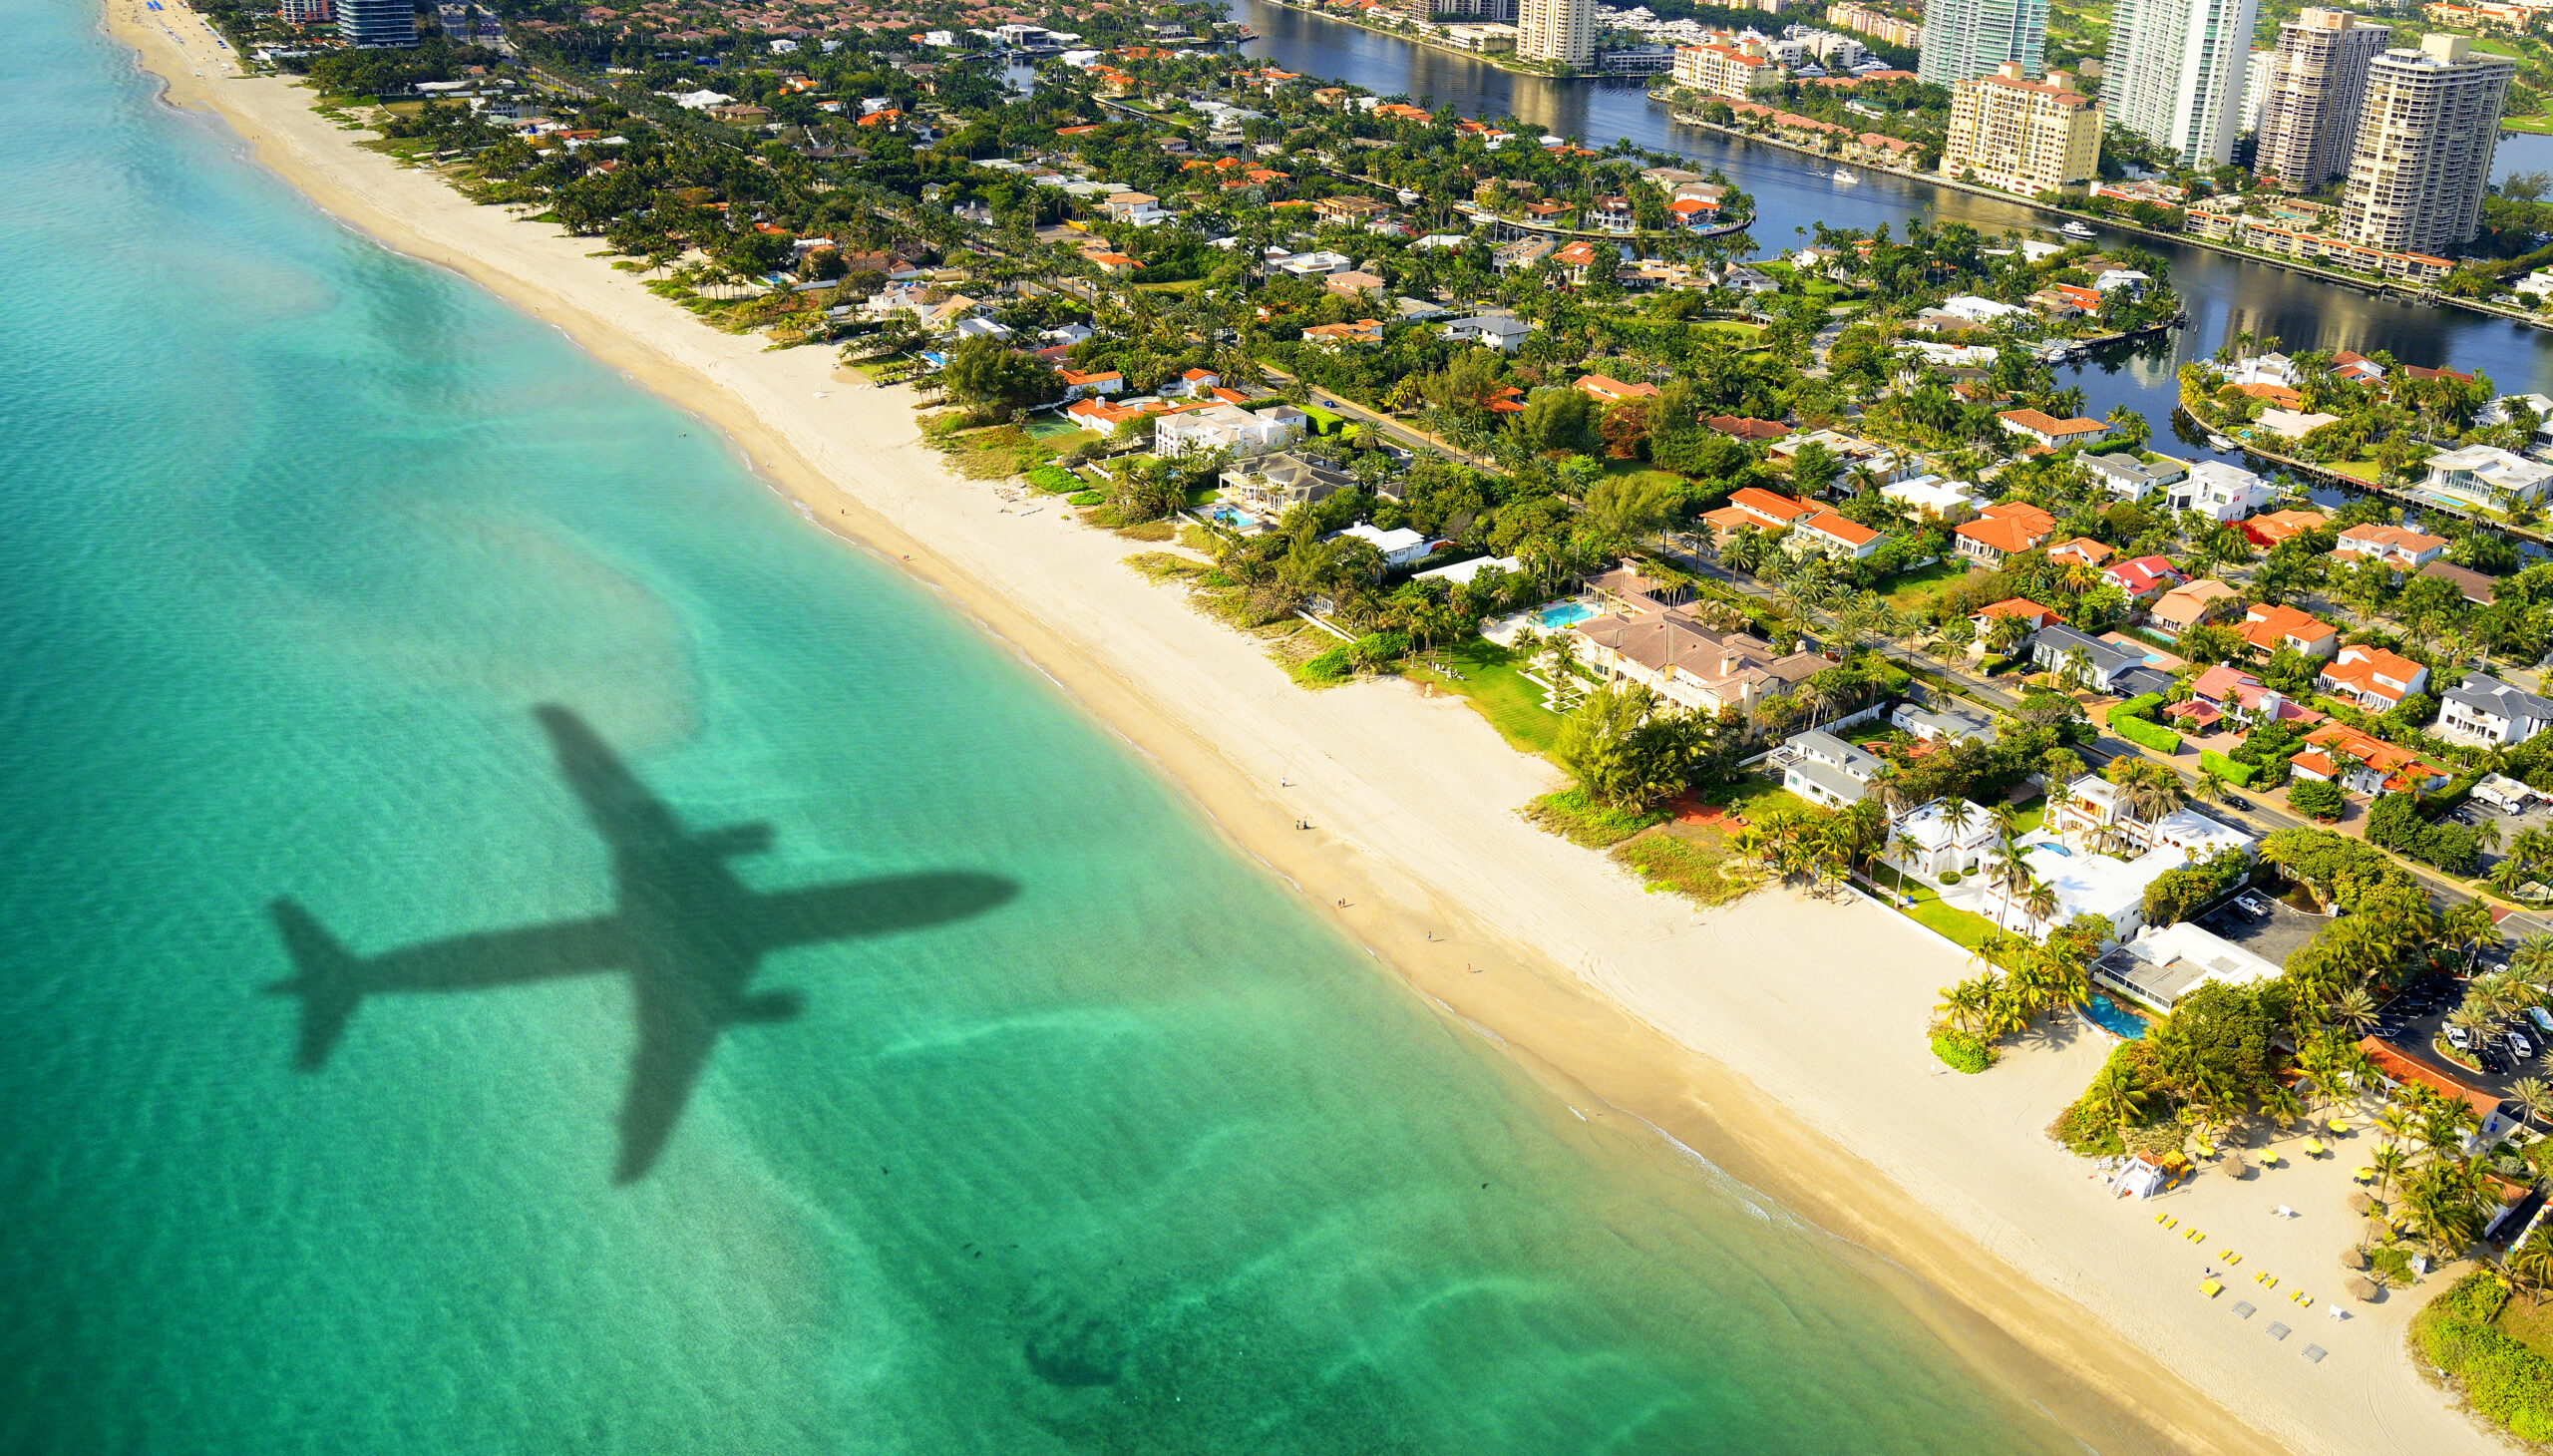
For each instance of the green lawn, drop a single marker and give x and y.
(1910, 590)
(1493, 679)
(1754, 796)
(2364, 469)
(1964, 927)
(1633, 470)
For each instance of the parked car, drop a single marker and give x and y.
(2456, 1037)
(2519, 1046)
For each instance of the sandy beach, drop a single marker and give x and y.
(1781, 1038)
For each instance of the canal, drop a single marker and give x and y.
(2223, 296)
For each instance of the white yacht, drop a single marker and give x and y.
(2075, 229)
(1845, 177)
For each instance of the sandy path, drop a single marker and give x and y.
(1781, 1038)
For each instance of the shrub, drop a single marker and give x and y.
(1330, 666)
(1962, 1052)
(2316, 798)
(2503, 1379)
(1054, 478)
(2133, 720)
(1087, 498)
(2146, 734)
(1576, 816)
(2237, 774)
(1950, 877)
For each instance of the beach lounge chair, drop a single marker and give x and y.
(2210, 1289)
(2230, 1257)
(2363, 1174)
(2303, 1300)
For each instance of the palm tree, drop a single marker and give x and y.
(2040, 902)
(2115, 1092)
(2530, 1265)
(2211, 785)
(2355, 1009)
(2535, 1095)
(1964, 1006)
(2533, 958)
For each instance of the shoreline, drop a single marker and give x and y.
(1634, 1028)
(2379, 288)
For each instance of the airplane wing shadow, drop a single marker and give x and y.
(680, 1016)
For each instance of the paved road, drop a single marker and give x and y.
(1406, 434)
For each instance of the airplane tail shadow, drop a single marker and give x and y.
(327, 980)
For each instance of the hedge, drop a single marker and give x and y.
(2144, 734)
(1324, 422)
(2237, 774)
(2142, 706)
(1054, 478)
(2503, 1379)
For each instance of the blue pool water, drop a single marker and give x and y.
(2114, 1018)
(2055, 848)
(1567, 614)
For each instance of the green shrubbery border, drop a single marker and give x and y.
(2237, 774)
(2505, 1380)
(2130, 720)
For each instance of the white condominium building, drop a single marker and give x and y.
(2023, 136)
(2175, 74)
(1970, 38)
(2309, 107)
(1561, 31)
(2427, 130)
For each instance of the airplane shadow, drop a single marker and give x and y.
(689, 934)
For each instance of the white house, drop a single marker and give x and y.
(2130, 478)
(1824, 768)
(2166, 962)
(2225, 492)
(1499, 330)
(2484, 710)
(1978, 311)
(1461, 573)
(1318, 264)
(1138, 207)
(1194, 383)
(1402, 546)
(1936, 725)
(2479, 474)
(1227, 427)
(2093, 802)
(2086, 884)
(1930, 843)
(2275, 369)
(1948, 501)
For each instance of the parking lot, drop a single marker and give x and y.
(2267, 926)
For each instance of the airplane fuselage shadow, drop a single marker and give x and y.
(689, 934)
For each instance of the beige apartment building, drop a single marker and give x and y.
(2422, 156)
(1733, 70)
(2310, 100)
(1561, 31)
(2023, 136)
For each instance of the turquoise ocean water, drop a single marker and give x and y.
(1117, 1151)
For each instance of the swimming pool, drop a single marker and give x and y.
(1567, 614)
(2055, 848)
(2114, 1018)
